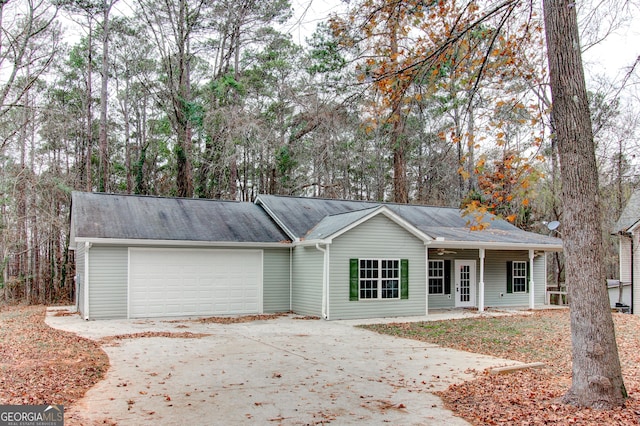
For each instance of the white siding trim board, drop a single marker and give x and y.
(87, 246)
(181, 243)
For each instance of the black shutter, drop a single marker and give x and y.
(509, 277)
(447, 277)
(528, 276)
(404, 278)
(353, 279)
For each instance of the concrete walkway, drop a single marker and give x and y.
(284, 371)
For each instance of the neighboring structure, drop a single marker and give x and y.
(628, 230)
(139, 256)
(619, 295)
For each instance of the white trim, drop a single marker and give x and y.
(258, 201)
(324, 280)
(87, 246)
(290, 278)
(429, 276)
(384, 210)
(481, 254)
(472, 278)
(426, 274)
(492, 245)
(261, 283)
(513, 277)
(181, 243)
(532, 287)
(379, 279)
(129, 282)
(633, 227)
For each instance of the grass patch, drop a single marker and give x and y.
(528, 397)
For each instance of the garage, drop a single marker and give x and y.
(194, 282)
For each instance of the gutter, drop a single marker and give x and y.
(450, 244)
(181, 243)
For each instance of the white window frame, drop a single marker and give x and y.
(431, 277)
(521, 264)
(379, 278)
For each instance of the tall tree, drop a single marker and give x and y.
(103, 179)
(173, 27)
(597, 377)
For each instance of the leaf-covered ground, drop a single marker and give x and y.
(530, 397)
(41, 365)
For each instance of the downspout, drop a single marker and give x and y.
(630, 235)
(531, 282)
(325, 314)
(290, 278)
(87, 246)
(481, 284)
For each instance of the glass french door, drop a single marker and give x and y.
(465, 283)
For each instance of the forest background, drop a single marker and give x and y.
(439, 103)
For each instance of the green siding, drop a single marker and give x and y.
(307, 278)
(495, 279)
(276, 280)
(378, 238)
(80, 270)
(108, 280)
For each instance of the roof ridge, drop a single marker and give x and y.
(386, 203)
(161, 197)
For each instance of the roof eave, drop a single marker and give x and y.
(490, 245)
(180, 243)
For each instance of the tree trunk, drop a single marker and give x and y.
(103, 178)
(398, 138)
(597, 377)
(89, 186)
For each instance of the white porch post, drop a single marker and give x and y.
(531, 283)
(481, 283)
(426, 290)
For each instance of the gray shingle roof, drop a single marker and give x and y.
(99, 215)
(631, 213)
(311, 218)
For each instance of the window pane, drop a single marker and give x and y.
(379, 279)
(436, 277)
(390, 289)
(519, 277)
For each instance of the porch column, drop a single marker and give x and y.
(531, 283)
(426, 290)
(481, 283)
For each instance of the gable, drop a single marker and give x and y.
(314, 219)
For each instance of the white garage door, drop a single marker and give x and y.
(186, 282)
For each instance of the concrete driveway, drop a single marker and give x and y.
(288, 371)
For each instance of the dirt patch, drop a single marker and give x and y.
(169, 334)
(42, 365)
(233, 319)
